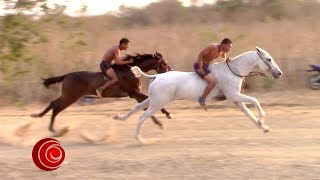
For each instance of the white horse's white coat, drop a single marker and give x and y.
(175, 85)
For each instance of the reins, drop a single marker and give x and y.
(251, 73)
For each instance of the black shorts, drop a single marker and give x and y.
(104, 66)
(205, 68)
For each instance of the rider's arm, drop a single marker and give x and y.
(119, 61)
(200, 59)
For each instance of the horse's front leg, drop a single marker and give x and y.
(240, 99)
(248, 113)
(168, 115)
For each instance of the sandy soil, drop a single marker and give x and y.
(219, 144)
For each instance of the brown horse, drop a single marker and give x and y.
(81, 83)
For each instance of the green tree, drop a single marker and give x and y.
(20, 32)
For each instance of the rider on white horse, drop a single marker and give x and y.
(201, 67)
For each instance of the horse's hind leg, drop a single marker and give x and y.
(155, 104)
(59, 105)
(44, 111)
(163, 110)
(148, 113)
(168, 115)
(138, 107)
(141, 97)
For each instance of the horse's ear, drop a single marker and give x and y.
(258, 49)
(159, 55)
(156, 56)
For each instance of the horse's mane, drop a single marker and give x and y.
(245, 53)
(137, 57)
(235, 58)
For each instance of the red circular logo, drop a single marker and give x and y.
(47, 154)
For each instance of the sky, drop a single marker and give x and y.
(97, 7)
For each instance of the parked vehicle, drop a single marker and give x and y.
(314, 79)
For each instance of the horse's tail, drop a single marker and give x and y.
(138, 73)
(47, 82)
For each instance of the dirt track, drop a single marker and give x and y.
(219, 144)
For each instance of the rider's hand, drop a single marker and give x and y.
(201, 71)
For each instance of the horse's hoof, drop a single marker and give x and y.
(140, 139)
(160, 126)
(143, 141)
(35, 116)
(169, 116)
(116, 117)
(119, 117)
(266, 130)
(62, 132)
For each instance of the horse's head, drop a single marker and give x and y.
(161, 64)
(268, 64)
(147, 62)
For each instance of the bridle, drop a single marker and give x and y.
(160, 63)
(251, 73)
(263, 59)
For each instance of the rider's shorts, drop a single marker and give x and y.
(205, 68)
(104, 66)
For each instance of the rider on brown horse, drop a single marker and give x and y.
(112, 54)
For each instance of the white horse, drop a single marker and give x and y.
(175, 85)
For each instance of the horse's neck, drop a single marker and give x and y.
(244, 63)
(141, 66)
(121, 67)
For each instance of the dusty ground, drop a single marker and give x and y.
(219, 144)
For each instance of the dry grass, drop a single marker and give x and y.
(293, 42)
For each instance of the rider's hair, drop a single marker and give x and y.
(124, 41)
(226, 41)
